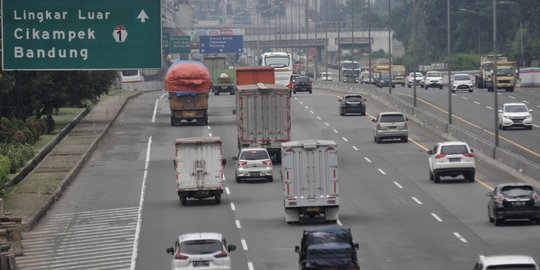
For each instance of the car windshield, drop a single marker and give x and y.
(434, 74)
(277, 61)
(389, 118)
(302, 79)
(353, 99)
(385, 76)
(512, 267)
(517, 191)
(461, 78)
(254, 155)
(200, 247)
(454, 149)
(515, 108)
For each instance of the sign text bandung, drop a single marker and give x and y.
(81, 34)
(222, 44)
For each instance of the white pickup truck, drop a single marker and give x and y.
(198, 164)
(310, 181)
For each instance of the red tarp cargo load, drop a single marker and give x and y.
(188, 76)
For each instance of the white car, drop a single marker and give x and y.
(433, 79)
(204, 251)
(451, 159)
(515, 115)
(506, 262)
(254, 164)
(326, 76)
(462, 82)
(411, 78)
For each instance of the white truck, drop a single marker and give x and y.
(263, 117)
(198, 164)
(310, 180)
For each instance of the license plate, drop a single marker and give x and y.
(189, 114)
(255, 173)
(313, 209)
(518, 203)
(518, 120)
(392, 127)
(201, 263)
(454, 159)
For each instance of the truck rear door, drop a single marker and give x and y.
(199, 165)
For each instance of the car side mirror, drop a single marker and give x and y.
(430, 152)
(340, 99)
(356, 246)
(472, 150)
(170, 250)
(489, 193)
(223, 162)
(231, 248)
(234, 158)
(297, 249)
(365, 99)
(373, 120)
(530, 110)
(406, 118)
(174, 163)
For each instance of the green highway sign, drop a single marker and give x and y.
(81, 34)
(165, 42)
(180, 44)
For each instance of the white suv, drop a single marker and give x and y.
(451, 159)
(505, 262)
(433, 79)
(462, 82)
(206, 250)
(411, 79)
(515, 115)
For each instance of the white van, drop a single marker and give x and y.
(521, 262)
(326, 76)
(131, 75)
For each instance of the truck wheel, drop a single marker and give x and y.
(183, 199)
(172, 121)
(217, 199)
(238, 180)
(470, 177)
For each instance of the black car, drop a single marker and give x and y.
(327, 248)
(352, 104)
(302, 84)
(513, 201)
(384, 81)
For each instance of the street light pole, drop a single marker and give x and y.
(369, 39)
(448, 62)
(339, 40)
(389, 48)
(494, 78)
(414, 50)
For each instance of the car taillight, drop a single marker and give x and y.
(242, 163)
(267, 162)
(222, 254)
(179, 255)
(468, 155)
(499, 198)
(440, 156)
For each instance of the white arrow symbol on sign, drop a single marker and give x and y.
(142, 16)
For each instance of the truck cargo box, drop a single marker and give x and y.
(199, 165)
(310, 180)
(263, 116)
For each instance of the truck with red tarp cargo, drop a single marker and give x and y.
(188, 84)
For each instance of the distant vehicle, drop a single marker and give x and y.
(515, 115)
(352, 104)
(223, 78)
(310, 180)
(253, 163)
(198, 164)
(364, 78)
(451, 159)
(507, 73)
(302, 84)
(398, 75)
(292, 80)
(384, 80)
(462, 82)
(327, 248)
(419, 80)
(132, 75)
(513, 201)
(390, 125)
(281, 62)
(326, 76)
(350, 71)
(205, 250)
(505, 262)
(433, 79)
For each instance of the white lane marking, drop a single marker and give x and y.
(307, 108)
(335, 131)
(312, 112)
(436, 217)
(416, 200)
(367, 159)
(209, 127)
(398, 185)
(238, 225)
(524, 101)
(355, 148)
(454, 95)
(295, 98)
(500, 94)
(489, 107)
(141, 204)
(381, 171)
(210, 134)
(162, 96)
(250, 266)
(155, 110)
(538, 106)
(460, 237)
(339, 222)
(318, 117)
(233, 207)
(476, 102)
(327, 124)
(244, 244)
(512, 97)
(227, 191)
(345, 139)
(464, 98)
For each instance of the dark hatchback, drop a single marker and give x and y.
(513, 201)
(302, 84)
(352, 104)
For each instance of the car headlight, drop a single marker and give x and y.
(506, 116)
(528, 116)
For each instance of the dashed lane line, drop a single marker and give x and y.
(398, 185)
(436, 217)
(460, 237)
(416, 200)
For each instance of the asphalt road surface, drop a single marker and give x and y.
(122, 211)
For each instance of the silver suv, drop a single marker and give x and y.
(451, 159)
(390, 125)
